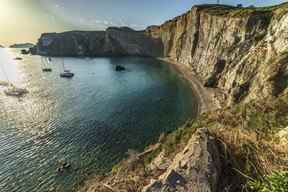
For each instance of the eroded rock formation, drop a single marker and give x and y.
(196, 169)
(239, 50)
(112, 42)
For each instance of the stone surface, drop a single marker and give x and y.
(197, 168)
(283, 136)
(227, 47)
(154, 186)
(22, 45)
(112, 42)
(250, 43)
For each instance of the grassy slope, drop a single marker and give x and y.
(248, 136)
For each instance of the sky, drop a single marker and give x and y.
(25, 20)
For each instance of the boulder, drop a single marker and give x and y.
(240, 91)
(212, 80)
(196, 169)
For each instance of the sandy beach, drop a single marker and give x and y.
(205, 96)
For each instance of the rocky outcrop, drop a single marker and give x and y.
(243, 52)
(22, 45)
(238, 50)
(112, 42)
(197, 168)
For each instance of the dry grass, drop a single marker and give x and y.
(246, 132)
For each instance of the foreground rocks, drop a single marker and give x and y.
(197, 168)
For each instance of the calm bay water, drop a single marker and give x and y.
(90, 120)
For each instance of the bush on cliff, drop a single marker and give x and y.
(276, 182)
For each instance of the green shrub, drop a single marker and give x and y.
(276, 182)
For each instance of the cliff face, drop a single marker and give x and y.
(112, 42)
(241, 51)
(202, 154)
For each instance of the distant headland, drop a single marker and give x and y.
(22, 45)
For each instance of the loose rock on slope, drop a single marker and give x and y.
(196, 169)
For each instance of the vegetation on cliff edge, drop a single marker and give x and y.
(249, 138)
(223, 10)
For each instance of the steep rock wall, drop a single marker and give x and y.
(112, 42)
(241, 51)
(237, 50)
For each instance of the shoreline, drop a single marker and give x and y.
(205, 96)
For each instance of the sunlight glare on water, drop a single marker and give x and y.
(9, 70)
(90, 120)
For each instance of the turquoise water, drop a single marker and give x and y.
(89, 121)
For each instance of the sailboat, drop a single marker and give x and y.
(45, 68)
(12, 90)
(7, 82)
(66, 73)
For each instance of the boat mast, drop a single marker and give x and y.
(42, 63)
(63, 65)
(61, 48)
(5, 74)
(47, 63)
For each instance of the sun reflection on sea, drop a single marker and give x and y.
(9, 67)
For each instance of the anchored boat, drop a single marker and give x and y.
(11, 90)
(45, 67)
(66, 73)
